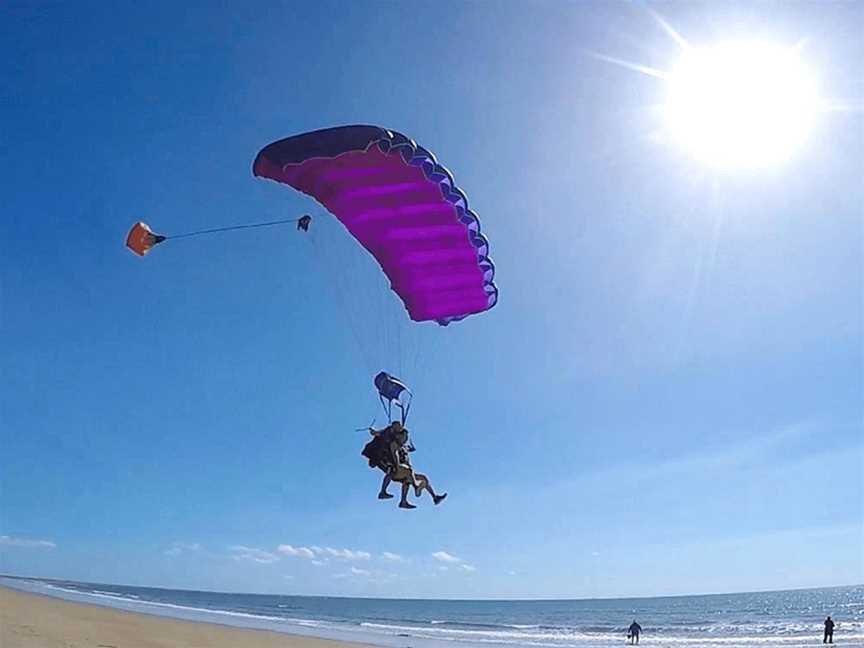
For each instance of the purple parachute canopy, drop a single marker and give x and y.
(402, 206)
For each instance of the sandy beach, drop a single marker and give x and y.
(32, 621)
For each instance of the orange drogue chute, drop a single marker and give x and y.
(141, 239)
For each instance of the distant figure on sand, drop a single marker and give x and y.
(829, 631)
(633, 632)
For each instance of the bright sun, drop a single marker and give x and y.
(742, 104)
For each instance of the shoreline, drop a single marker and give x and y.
(54, 614)
(33, 620)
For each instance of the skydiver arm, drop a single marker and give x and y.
(394, 452)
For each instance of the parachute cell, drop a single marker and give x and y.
(402, 206)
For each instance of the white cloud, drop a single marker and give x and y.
(451, 560)
(347, 554)
(253, 554)
(178, 548)
(354, 571)
(11, 541)
(392, 557)
(300, 552)
(317, 555)
(325, 552)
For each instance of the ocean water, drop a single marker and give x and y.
(788, 619)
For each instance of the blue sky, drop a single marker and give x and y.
(667, 399)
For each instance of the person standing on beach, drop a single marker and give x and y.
(634, 631)
(829, 631)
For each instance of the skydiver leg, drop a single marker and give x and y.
(383, 494)
(404, 503)
(404, 473)
(424, 482)
(435, 498)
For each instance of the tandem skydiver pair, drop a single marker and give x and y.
(389, 448)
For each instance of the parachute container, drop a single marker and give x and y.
(402, 206)
(141, 239)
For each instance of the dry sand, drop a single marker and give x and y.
(32, 621)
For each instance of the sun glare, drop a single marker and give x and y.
(741, 105)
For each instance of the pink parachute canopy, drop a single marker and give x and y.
(402, 206)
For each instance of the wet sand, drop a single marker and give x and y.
(33, 621)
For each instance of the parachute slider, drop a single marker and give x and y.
(390, 393)
(142, 239)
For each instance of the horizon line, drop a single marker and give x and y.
(470, 600)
